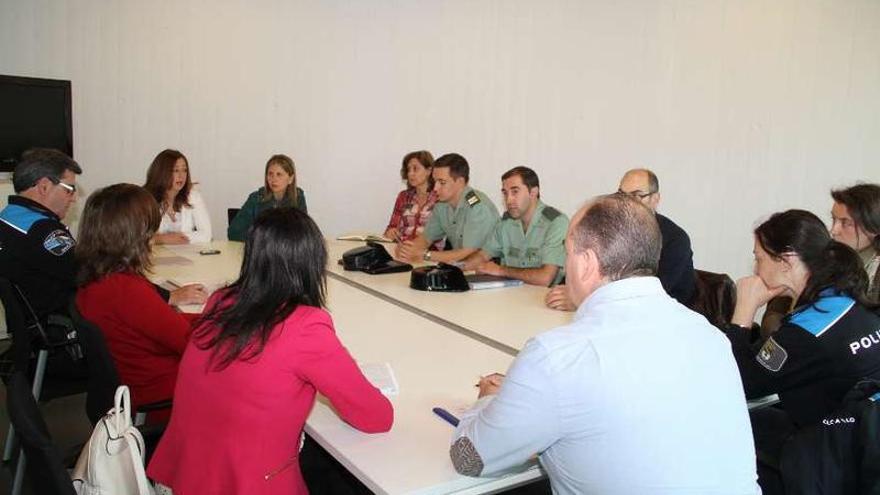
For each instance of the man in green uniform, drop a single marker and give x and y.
(463, 215)
(530, 237)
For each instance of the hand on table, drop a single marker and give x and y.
(188, 294)
(408, 251)
(392, 234)
(490, 384)
(491, 268)
(557, 298)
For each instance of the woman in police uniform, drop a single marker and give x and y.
(827, 343)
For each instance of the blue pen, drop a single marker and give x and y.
(446, 415)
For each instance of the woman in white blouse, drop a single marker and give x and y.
(184, 214)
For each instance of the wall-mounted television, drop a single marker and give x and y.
(33, 113)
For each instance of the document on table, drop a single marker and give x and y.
(364, 237)
(482, 281)
(381, 375)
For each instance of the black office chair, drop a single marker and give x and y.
(230, 215)
(45, 468)
(103, 376)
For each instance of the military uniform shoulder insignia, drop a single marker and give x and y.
(550, 213)
(772, 355)
(472, 198)
(58, 242)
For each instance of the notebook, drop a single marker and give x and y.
(364, 238)
(479, 282)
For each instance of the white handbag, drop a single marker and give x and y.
(112, 462)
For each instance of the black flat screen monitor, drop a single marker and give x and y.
(33, 113)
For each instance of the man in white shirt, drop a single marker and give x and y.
(609, 403)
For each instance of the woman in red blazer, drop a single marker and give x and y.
(249, 375)
(146, 337)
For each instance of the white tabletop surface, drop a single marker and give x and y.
(413, 457)
(508, 317)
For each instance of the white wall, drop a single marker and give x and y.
(741, 107)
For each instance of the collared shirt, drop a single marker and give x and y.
(468, 225)
(409, 218)
(541, 244)
(612, 405)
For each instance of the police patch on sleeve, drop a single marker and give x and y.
(472, 198)
(58, 242)
(772, 355)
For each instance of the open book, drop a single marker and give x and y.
(479, 282)
(364, 238)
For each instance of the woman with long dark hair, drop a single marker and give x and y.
(855, 219)
(826, 344)
(249, 376)
(184, 217)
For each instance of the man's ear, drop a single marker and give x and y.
(655, 200)
(535, 193)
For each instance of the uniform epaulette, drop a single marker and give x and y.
(472, 198)
(551, 213)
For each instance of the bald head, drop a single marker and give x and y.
(641, 184)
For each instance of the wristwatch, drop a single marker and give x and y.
(427, 255)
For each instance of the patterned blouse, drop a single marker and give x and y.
(409, 219)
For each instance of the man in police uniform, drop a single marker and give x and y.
(463, 215)
(529, 239)
(36, 249)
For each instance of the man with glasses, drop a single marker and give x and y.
(36, 249)
(676, 269)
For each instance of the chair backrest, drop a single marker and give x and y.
(230, 214)
(103, 376)
(715, 297)
(17, 323)
(45, 467)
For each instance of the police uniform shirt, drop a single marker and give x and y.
(36, 253)
(468, 225)
(815, 357)
(542, 244)
(604, 403)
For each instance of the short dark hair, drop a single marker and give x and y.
(831, 264)
(37, 163)
(528, 176)
(282, 268)
(160, 177)
(425, 159)
(117, 224)
(457, 165)
(862, 201)
(623, 233)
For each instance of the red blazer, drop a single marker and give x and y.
(237, 430)
(145, 336)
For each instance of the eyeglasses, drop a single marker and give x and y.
(70, 188)
(636, 194)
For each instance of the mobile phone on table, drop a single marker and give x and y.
(206, 252)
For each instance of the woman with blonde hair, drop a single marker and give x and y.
(279, 191)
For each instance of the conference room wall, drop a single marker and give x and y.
(741, 107)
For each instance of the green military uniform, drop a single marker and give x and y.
(468, 225)
(542, 244)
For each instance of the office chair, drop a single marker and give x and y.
(44, 466)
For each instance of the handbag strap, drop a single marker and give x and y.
(136, 450)
(122, 408)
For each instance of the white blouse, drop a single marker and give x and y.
(193, 221)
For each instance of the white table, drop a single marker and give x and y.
(413, 457)
(503, 318)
